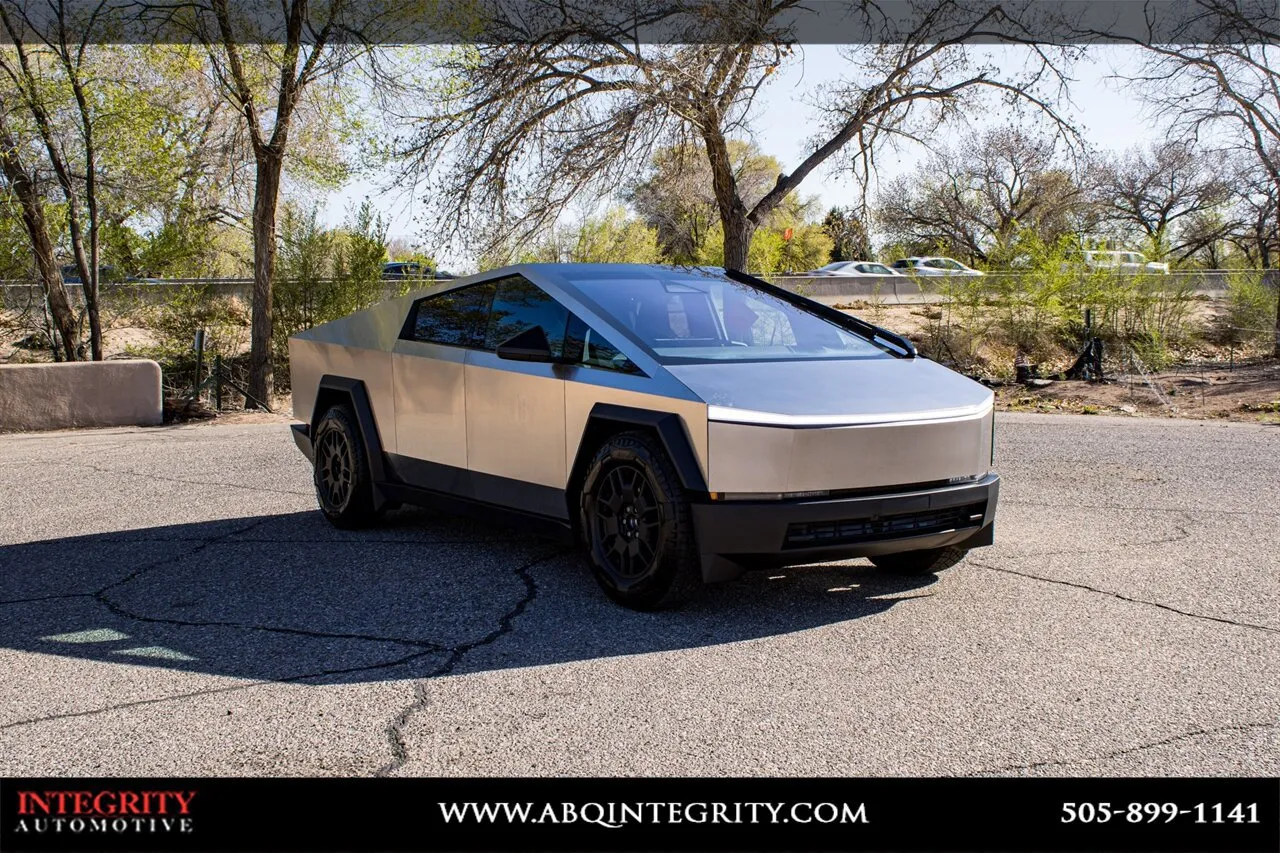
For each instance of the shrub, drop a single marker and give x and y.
(324, 274)
(1250, 315)
(175, 320)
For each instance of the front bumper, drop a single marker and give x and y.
(733, 535)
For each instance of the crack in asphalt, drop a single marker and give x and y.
(46, 598)
(325, 673)
(1254, 626)
(120, 610)
(1182, 535)
(422, 698)
(99, 469)
(1171, 739)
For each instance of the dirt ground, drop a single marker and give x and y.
(1244, 393)
(1214, 382)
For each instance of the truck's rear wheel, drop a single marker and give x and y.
(926, 562)
(344, 487)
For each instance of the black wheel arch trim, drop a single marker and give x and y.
(670, 429)
(356, 392)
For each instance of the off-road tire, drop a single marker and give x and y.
(927, 562)
(344, 486)
(636, 523)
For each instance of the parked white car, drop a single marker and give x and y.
(1122, 261)
(852, 268)
(934, 266)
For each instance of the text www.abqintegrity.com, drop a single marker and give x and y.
(617, 815)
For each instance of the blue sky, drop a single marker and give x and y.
(1111, 117)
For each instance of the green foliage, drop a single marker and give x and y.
(613, 238)
(16, 261)
(323, 274)
(1038, 310)
(848, 233)
(1250, 315)
(770, 251)
(616, 238)
(191, 307)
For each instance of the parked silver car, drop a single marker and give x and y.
(1122, 261)
(852, 268)
(934, 266)
(683, 423)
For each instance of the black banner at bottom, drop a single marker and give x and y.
(640, 814)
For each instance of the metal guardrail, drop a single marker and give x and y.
(891, 290)
(909, 290)
(156, 290)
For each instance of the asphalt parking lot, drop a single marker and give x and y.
(172, 603)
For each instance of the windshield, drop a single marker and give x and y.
(692, 316)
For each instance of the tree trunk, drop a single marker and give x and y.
(91, 201)
(37, 225)
(737, 227)
(1272, 278)
(265, 197)
(737, 240)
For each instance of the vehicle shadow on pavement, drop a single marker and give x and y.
(289, 598)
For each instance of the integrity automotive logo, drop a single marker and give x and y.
(104, 812)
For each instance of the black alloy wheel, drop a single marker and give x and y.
(344, 487)
(637, 525)
(628, 521)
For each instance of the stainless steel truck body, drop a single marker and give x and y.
(683, 423)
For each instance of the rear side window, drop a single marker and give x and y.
(520, 305)
(455, 317)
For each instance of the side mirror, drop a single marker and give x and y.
(529, 345)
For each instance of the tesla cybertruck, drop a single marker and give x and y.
(682, 423)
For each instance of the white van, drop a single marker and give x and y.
(1122, 261)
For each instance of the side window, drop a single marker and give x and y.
(589, 348)
(456, 317)
(519, 305)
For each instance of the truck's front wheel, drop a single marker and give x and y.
(637, 525)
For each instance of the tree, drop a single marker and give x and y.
(67, 37)
(1218, 71)
(1156, 190)
(678, 197)
(849, 238)
(24, 186)
(104, 120)
(1257, 230)
(976, 198)
(557, 99)
(610, 238)
(265, 74)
